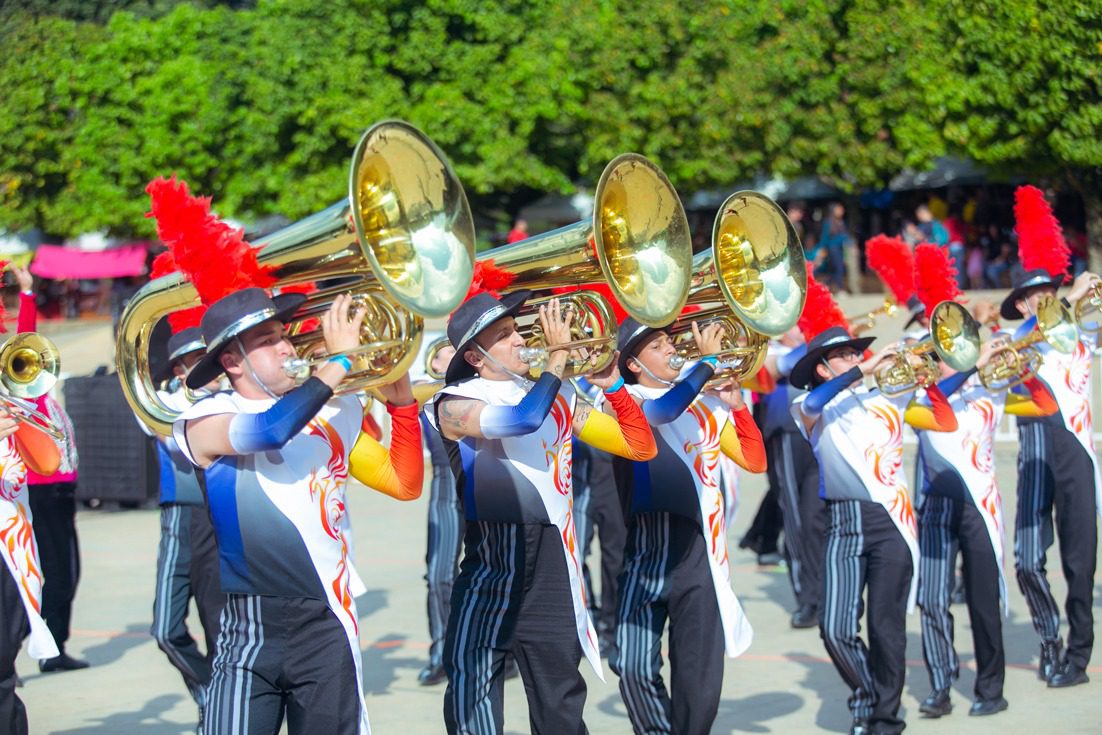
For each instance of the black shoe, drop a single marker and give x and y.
(64, 662)
(770, 559)
(1068, 675)
(807, 616)
(18, 680)
(1052, 655)
(511, 670)
(958, 595)
(754, 544)
(431, 675)
(937, 704)
(607, 646)
(859, 727)
(983, 707)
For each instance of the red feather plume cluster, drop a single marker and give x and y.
(821, 311)
(210, 253)
(1040, 240)
(935, 276)
(892, 260)
(163, 265)
(488, 278)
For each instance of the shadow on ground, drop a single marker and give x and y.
(148, 721)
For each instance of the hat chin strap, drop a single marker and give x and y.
(252, 373)
(652, 376)
(521, 380)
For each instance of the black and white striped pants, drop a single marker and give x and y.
(795, 473)
(667, 577)
(864, 549)
(445, 534)
(944, 525)
(282, 657)
(513, 595)
(1056, 476)
(187, 566)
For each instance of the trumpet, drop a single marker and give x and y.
(1018, 361)
(637, 242)
(402, 242)
(29, 366)
(860, 323)
(954, 337)
(753, 281)
(1088, 310)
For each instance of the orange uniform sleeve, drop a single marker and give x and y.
(938, 416)
(38, 450)
(1039, 403)
(399, 473)
(628, 435)
(741, 441)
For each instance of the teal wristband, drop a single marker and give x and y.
(343, 360)
(711, 361)
(614, 387)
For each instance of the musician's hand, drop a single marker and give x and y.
(398, 393)
(709, 339)
(555, 322)
(1082, 285)
(23, 278)
(731, 394)
(868, 367)
(985, 311)
(607, 377)
(989, 349)
(341, 326)
(8, 425)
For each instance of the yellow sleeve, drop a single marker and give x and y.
(400, 472)
(604, 432)
(741, 440)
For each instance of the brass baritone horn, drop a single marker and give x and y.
(753, 281)
(1088, 311)
(29, 366)
(637, 242)
(860, 323)
(1019, 360)
(954, 337)
(402, 243)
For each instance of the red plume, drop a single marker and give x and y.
(164, 265)
(821, 311)
(935, 276)
(210, 253)
(488, 278)
(1040, 240)
(892, 260)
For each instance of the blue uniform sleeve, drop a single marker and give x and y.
(678, 398)
(787, 361)
(499, 422)
(823, 394)
(952, 384)
(262, 432)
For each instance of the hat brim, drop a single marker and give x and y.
(210, 367)
(804, 371)
(627, 351)
(1009, 308)
(459, 369)
(167, 369)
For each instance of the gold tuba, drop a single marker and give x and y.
(954, 337)
(753, 281)
(402, 243)
(29, 365)
(1019, 360)
(637, 242)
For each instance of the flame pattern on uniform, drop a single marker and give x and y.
(560, 452)
(327, 486)
(1077, 375)
(705, 459)
(17, 537)
(886, 459)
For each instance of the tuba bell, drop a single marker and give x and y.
(753, 281)
(637, 242)
(402, 244)
(954, 337)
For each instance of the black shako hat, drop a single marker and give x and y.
(231, 315)
(1024, 282)
(629, 337)
(182, 343)
(470, 320)
(820, 344)
(918, 310)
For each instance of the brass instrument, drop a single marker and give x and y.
(29, 365)
(954, 337)
(1088, 310)
(860, 323)
(753, 281)
(1019, 360)
(425, 389)
(402, 243)
(637, 242)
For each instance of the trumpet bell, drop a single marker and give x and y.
(30, 364)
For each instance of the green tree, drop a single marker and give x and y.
(1024, 93)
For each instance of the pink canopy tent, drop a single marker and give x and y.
(57, 262)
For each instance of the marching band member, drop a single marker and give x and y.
(187, 556)
(520, 587)
(857, 436)
(676, 566)
(277, 460)
(963, 509)
(1058, 472)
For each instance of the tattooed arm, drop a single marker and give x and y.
(464, 417)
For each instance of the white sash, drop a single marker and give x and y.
(1068, 377)
(544, 457)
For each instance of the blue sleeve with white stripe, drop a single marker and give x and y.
(262, 432)
(678, 398)
(499, 422)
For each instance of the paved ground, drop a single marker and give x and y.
(784, 684)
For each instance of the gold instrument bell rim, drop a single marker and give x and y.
(358, 154)
(686, 252)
